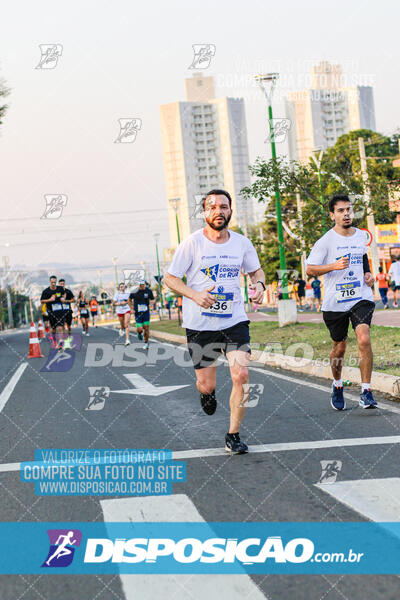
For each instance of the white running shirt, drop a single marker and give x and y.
(206, 263)
(394, 271)
(343, 289)
(120, 297)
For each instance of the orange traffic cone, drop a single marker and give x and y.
(40, 330)
(34, 346)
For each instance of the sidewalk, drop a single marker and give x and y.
(386, 318)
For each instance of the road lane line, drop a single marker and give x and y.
(296, 380)
(375, 499)
(8, 390)
(264, 448)
(175, 508)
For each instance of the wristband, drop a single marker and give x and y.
(261, 284)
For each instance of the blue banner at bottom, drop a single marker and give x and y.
(203, 548)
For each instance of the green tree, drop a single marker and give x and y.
(4, 91)
(340, 169)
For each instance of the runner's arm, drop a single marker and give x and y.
(257, 279)
(203, 298)
(316, 270)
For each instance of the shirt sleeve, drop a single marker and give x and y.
(182, 259)
(250, 259)
(318, 254)
(151, 295)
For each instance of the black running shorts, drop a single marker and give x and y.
(338, 322)
(56, 318)
(206, 346)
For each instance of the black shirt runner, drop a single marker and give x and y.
(141, 300)
(55, 308)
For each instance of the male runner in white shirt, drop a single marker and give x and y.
(341, 257)
(394, 273)
(213, 309)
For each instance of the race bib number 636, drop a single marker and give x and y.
(222, 306)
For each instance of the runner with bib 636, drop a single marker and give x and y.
(341, 257)
(213, 309)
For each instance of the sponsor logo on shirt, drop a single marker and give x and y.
(219, 272)
(211, 272)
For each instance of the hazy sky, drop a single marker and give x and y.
(122, 59)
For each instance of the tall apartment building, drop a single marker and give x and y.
(204, 141)
(326, 111)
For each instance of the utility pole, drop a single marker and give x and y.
(9, 305)
(303, 252)
(156, 238)
(370, 213)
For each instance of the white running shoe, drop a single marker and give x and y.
(121, 332)
(146, 346)
(127, 343)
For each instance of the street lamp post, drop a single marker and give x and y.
(265, 81)
(317, 162)
(156, 238)
(287, 310)
(114, 259)
(175, 203)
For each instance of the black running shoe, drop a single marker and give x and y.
(234, 445)
(208, 403)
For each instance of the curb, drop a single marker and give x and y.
(381, 382)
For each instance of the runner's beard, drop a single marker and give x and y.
(347, 225)
(219, 227)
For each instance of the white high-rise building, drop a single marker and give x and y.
(326, 111)
(204, 143)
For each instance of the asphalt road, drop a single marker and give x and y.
(49, 410)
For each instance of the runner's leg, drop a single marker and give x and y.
(127, 318)
(238, 363)
(364, 351)
(206, 379)
(336, 358)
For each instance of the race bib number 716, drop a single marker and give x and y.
(347, 292)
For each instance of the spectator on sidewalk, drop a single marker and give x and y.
(382, 280)
(301, 291)
(316, 286)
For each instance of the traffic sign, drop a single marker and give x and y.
(369, 235)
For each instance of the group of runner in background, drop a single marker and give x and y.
(60, 309)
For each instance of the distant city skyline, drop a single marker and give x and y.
(320, 114)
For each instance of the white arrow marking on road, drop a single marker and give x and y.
(376, 499)
(145, 388)
(175, 508)
(8, 390)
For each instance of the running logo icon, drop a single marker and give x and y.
(62, 360)
(330, 470)
(98, 396)
(203, 54)
(62, 547)
(128, 129)
(55, 204)
(50, 53)
(211, 272)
